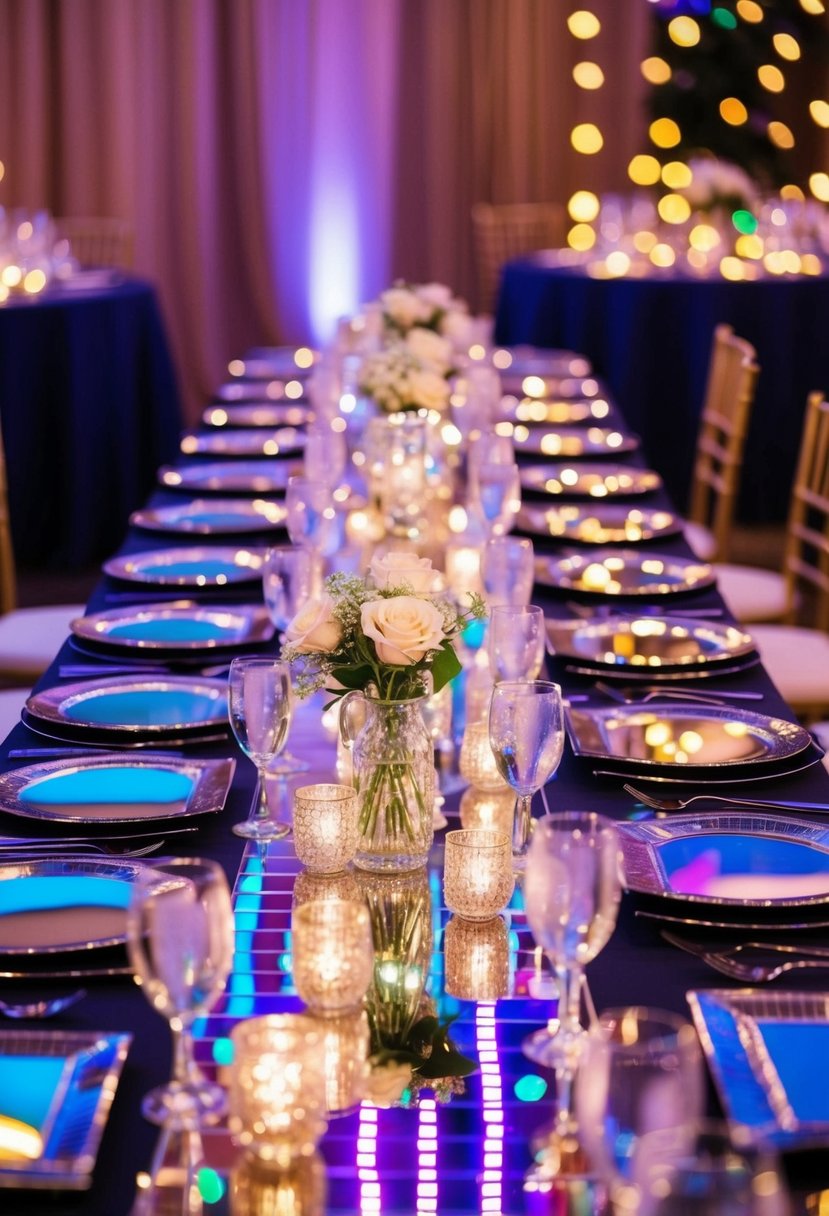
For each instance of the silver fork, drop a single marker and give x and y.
(679, 804)
(702, 950)
(57, 849)
(629, 695)
(760, 973)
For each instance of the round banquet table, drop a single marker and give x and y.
(650, 340)
(90, 407)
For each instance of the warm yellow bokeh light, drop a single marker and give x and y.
(581, 237)
(583, 24)
(750, 11)
(733, 111)
(819, 186)
(656, 70)
(704, 237)
(2, 170)
(303, 356)
(11, 276)
(677, 175)
(786, 46)
(780, 135)
(792, 192)
(586, 138)
(749, 246)
(814, 7)
(819, 111)
(34, 282)
(644, 240)
(771, 78)
(664, 132)
(674, 208)
(684, 31)
(662, 255)
(644, 170)
(588, 75)
(583, 206)
(697, 259)
(732, 268)
(810, 263)
(618, 263)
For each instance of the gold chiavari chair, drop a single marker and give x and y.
(98, 241)
(505, 231)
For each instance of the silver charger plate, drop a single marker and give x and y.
(53, 905)
(525, 360)
(265, 361)
(143, 704)
(599, 480)
(113, 788)
(63, 1084)
(600, 524)
(251, 476)
(553, 411)
(180, 625)
(249, 442)
(207, 567)
(572, 442)
(257, 413)
(623, 572)
(648, 643)
(768, 1053)
(737, 859)
(207, 517)
(683, 739)
(258, 390)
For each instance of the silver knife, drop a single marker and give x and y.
(75, 973)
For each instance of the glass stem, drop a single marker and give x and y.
(521, 824)
(259, 805)
(569, 1000)
(186, 1071)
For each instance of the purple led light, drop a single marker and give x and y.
(492, 1102)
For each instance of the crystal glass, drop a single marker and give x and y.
(277, 1088)
(498, 495)
(286, 582)
(476, 762)
(516, 642)
(507, 571)
(526, 733)
(572, 890)
(333, 955)
(488, 809)
(478, 879)
(476, 959)
(180, 942)
(641, 1071)
(313, 521)
(326, 453)
(260, 705)
(326, 832)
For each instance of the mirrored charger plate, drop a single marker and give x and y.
(257, 413)
(600, 524)
(648, 644)
(208, 567)
(180, 625)
(135, 705)
(526, 360)
(113, 788)
(243, 442)
(683, 739)
(264, 361)
(291, 390)
(251, 476)
(61, 1085)
(552, 411)
(206, 517)
(599, 480)
(572, 442)
(623, 572)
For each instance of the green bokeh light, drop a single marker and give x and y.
(211, 1185)
(223, 1051)
(723, 18)
(530, 1088)
(744, 222)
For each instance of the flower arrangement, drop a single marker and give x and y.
(399, 379)
(428, 305)
(717, 183)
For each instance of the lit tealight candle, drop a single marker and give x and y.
(463, 569)
(478, 878)
(477, 761)
(326, 831)
(333, 954)
(476, 959)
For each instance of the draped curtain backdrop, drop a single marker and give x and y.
(283, 160)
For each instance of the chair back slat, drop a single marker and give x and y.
(8, 578)
(806, 557)
(505, 231)
(99, 240)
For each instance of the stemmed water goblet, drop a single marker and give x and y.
(526, 734)
(287, 572)
(180, 941)
(516, 642)
(260, 704)
(494, 484)
(313, 522)
(507, 571)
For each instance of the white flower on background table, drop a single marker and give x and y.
(433, 351)
(396, 568)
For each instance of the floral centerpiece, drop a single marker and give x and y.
(427, 305)
(384, 639)
(404, 378)
(717, 184)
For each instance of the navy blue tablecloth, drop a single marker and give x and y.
(90, 407)
(650, 339)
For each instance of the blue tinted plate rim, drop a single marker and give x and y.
(255, 625)
(254, 515)
(51, 704)
(244, 565)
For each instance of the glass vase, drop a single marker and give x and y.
(403, 491)
(394, 775)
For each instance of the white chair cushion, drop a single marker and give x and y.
(12, 701)
(751, 593)
(700, 539)
(797, 660)
(31, 637)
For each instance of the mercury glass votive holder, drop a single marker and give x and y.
(308, 887)
(333, 954)
(326, 834)
(345, 1043)
(477, 760)
(478, 877)
(261, 1188)
(277, 1087)
(488, 809)
(476, 959)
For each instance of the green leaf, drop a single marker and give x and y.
(445, 666)
(353, 677)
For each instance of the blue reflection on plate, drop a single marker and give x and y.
(173, 629)
(51, 892)
(147, 707)
(696, 866)
(102, 786)
(196, 569)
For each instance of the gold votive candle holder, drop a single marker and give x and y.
(308, 887)
(326, 834)
(493, 809)
(277, 1087)
(476, 959)
(333, 954)
(261, 1188)
(345, 1044)
(478, 877)
(477, 761)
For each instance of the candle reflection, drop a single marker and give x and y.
(476, 959)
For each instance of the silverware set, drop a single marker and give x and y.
(772, 960)
(679, 804)
(636, 694)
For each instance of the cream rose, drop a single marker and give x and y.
(433, 351)
(315, 629)
(404, 308)
(395, 569)
(428, 390)
(387, 1083)
(403, 628)
(436, 294)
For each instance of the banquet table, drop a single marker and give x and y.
(470, 1154)
(89, 407)
(650, 339)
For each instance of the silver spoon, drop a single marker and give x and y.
(679, 804)
(41, 1009)
(760, 973)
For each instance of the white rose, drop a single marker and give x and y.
(428, 390)
(394, 569)
(436, 294)
(403, 628)
(315, 629)
(404, 308)
(387, 1083)
(430, 348)
(458, 328)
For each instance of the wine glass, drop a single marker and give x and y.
(640, 1071)
(516, 642)
(571, 894)
(326, 454)
(313, 521)
(287, 572)
(507, 571)
(526, 734)
(260, 704)
(494, 485)
(180, 941)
